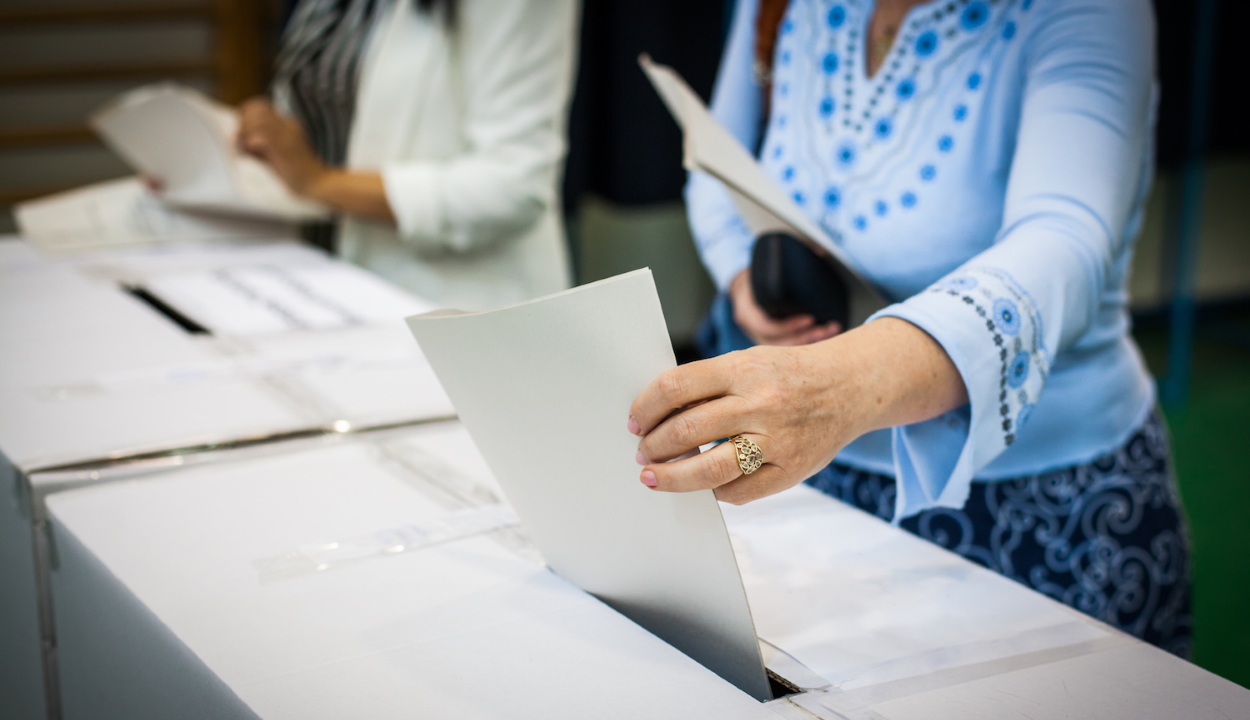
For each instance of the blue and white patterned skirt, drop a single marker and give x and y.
(1107, 538)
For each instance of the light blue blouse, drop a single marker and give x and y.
(990, 178)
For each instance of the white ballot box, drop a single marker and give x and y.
(339, 582)
(124, 354)
(95, 370)
(871, 622)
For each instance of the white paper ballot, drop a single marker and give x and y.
(544, 388)
(185, 139)
(122, 213)
(263, 299)
(709, 148)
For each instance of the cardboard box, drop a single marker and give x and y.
(164, 608)
(877, 623)
(91, 375)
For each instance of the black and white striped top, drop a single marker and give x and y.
(319, 66)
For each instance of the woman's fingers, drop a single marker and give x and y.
(255, 142)
(768, 480)
(693, 427)
(763, 328)
(676, 388)
(704, 471)
(822, 332)
(255, 110)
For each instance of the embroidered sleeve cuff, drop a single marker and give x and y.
(991, 331)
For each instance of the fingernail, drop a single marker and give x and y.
(641, 459)
(634, 427)
(648, 478)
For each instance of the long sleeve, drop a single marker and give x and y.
(513, 60)
(723, 238)
(1007, 317)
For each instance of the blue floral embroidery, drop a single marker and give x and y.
(883, 128)
(1018, 371)
(928, 172)
(861, 222)
(826, 107)
(961, 113)
(959, 283)
(1023, 416)
(974, 81)
(830, 63)
(837, 16)
(974, 16)
(945, 143)
(1007, 316)
(908, 200)
(845, 155)
(1004, 321)
(881, 208)
(833, 197)
(926, 43)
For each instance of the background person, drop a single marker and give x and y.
(436, 128)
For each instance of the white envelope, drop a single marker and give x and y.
(544, 388)
(186, 139)
(710, 148)
(122, 213)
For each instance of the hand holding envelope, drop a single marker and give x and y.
(543, 388)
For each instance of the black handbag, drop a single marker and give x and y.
(788, 278)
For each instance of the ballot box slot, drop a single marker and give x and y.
(786, 675)
(780, 686)
(145, 296)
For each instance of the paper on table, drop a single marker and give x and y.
(123, 213)
(187, 140)
(708, 147)
(544, 388)
(263, 299)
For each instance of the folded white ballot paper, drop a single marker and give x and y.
(544, 388)
(267, 298)
(709, 148)
(186, 139)
(123, 213)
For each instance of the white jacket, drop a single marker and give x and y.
(467, 128)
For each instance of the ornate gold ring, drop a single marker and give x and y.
(750, 457)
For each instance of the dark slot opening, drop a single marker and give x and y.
(167, 310)
(780, 686)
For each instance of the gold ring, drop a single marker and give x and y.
(750, 457)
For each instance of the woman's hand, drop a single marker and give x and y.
(763, 330)
(279, 141)
(801, 405)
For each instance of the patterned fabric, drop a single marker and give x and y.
(1015, 327)
(990, 179)
(1106, 538)
(319, 64)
